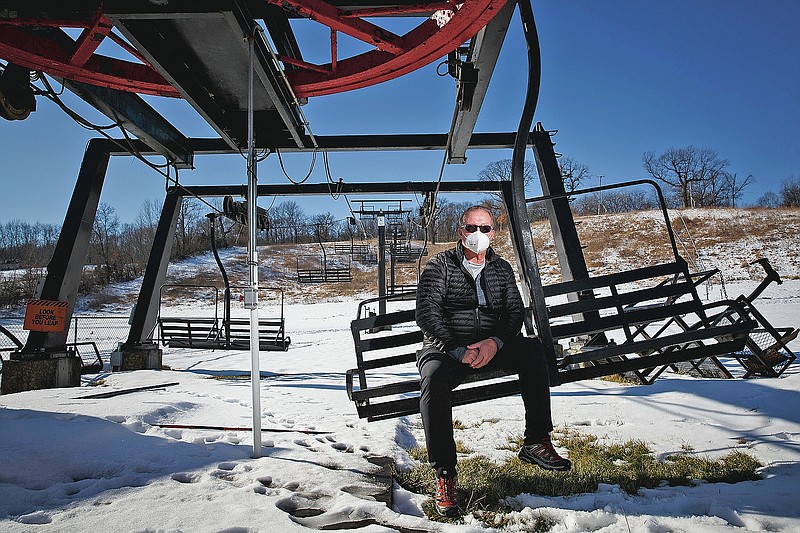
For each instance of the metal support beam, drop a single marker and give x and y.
(567, 243)
(562, 223)
(146, 311)
(214, 83)
(484, 58)
(304, 189)
(128, 110)
(131, 112)
(335, 143)
(381, 262)
(524, 257)
(65, 268)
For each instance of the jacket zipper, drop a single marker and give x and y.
(476, 322)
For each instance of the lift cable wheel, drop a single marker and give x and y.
(43, 45)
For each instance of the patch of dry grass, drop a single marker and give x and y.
(612, 242)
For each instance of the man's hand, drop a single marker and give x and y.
(480, 353)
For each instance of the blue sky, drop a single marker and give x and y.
(619, 77)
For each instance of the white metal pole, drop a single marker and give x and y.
(251, 299)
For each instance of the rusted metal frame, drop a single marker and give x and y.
(90, 38)
(330, 16)
(35, 51)
(100, 26)
(44, 23)
(306, 65)
(407, 9)
(426, 43)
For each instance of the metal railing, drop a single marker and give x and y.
(105, 331)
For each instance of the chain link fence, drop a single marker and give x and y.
(104, 331)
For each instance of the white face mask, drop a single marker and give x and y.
(476, 242)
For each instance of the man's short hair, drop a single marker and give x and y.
(475, 208)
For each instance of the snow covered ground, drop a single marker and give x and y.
(71, 462)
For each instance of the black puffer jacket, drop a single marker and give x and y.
(447, 301)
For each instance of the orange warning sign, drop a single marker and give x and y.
(46, 315)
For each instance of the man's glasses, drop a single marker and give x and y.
(472, 228)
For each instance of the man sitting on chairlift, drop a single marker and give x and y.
(470, 311)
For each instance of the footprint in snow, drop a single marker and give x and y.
(311, 509)
(342, 447)
(185, 477)
(38, 517)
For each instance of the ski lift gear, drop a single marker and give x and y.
(17, 101)
(237, 211)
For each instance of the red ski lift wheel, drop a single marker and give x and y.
(394, 55)
(42, 45)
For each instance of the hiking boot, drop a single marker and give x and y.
(544, 455)
(445, 496)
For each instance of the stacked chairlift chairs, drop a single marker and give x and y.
(642, 321)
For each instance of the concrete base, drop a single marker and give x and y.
(137, 357)
(58, 370)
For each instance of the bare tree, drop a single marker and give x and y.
(446, 220)
(735, 188)
(190, 233)
(295, 219)
(501, 171)
(572, 172)
(326, 224)
(790, 192)
(696, 174)
(105, 234)
(288, 223)
(769, 199)
(30, 245)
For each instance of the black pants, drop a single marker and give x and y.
(440, 374)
